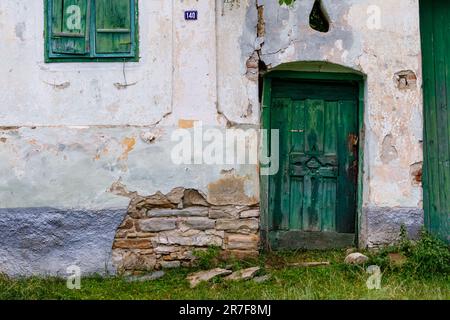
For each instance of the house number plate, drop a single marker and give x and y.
(191, 15)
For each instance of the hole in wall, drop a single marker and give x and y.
(318, 19)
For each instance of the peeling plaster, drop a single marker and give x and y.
(389, 152)
(230, 189)
(90, 126)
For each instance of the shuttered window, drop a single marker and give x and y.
(91, 30)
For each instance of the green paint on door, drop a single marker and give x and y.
(313, 198)
(435, 26)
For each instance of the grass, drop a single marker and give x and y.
(336, 281)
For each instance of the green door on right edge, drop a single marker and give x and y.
(312, 198)
(435, 29)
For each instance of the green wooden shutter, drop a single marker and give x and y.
(114, 22)
(69, 27)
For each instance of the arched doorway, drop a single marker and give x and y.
(314, 199)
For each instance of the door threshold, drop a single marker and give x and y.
(314, 240)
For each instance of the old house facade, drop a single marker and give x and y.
(101, 101)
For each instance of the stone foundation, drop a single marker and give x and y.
(383, 224)
(164, 231)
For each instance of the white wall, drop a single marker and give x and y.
(75, 133)
(393, 117)
(68, 133)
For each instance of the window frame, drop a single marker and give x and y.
(92, 56)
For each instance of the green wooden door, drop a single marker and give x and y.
(435, 29)
(312, 199)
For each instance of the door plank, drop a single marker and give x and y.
(297, 126)
(314, 122)
(329, 205)
(331, 108)
(346, 186)
(297, 194)
(280, 188)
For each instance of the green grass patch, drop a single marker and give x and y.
(335, 281)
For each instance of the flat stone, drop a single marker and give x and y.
(187, 233)
(250, 214)
(198, 240)
(157, 224)
(181, 255)
(158, 200)
(237, 225)
(132, 244)
(174, 239)
(244, 274)
(219, 233)
(187, 212)
(148, 277)
(166, 249)
(262, 279)
(226, 212)
(193, 197)
(242, 241)
(203, 240)
(198, 223)
(176, 195)
(170, 264)
(196, 278)
(356, 258)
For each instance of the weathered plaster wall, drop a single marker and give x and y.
(393, 113)
(70, 131)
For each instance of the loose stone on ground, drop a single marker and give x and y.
(356, 258)
(244, 274)
(196, 278)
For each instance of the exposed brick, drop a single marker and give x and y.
(242, 241)
(132, 244)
